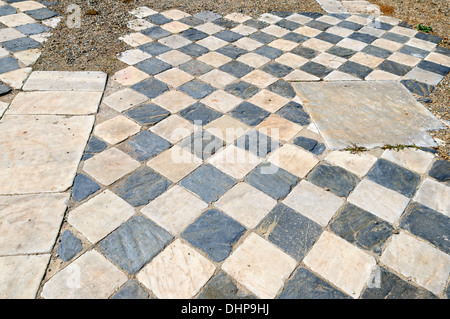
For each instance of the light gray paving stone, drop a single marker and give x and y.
(30, 223)
(58, 103)
(351, 114)
(41, 153)
(20, 276)
(92, 81)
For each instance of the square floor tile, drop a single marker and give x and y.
(428, 224)
(334, 178)
(378, 200)
(267, 266)
(147, 114)
(234, 161)
(208, 182)
(222, 101)
(175, 209)
(361, 228)
(434, 195)
(212, 43)
(316, 69)
(289, 230)
(278, 128)
(133, 56)
(249, 114)
(100, 215)
(248, 43)
(217, 78)
(272, 180)
(197, 89)
(175, 163)
(146, 145)
(394, 177)
(410, 158)
(175, 41)
(116, 129)
(313, 202)
(227, 128)
(242, 89)
(246, 204)
(124, 99)
(259, 78)
(214, 233)
(194, 34)
(258, 143)
(174, 57)
(292, 60)
(174, 77)
(142, 186)
(293, 159)
(199, 114)
(173, 129)
(153, 66)
(151, 88)
(346, 266)
(202, 143)
(269, 101)
(129, 76)
(174, 101)
(178, 272)
(294, 112)
(215, 59)
(236, 68)
(110, 165)
(358, 164)
(424, 264)
(99, 278)
(134, 243)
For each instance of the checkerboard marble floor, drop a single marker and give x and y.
(204, 176)
(24, 26)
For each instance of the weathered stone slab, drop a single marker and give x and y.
(74, 103)
(41, 153)
(20, 276)
(369, 114)
(66, 81)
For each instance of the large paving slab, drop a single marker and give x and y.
(367, 114)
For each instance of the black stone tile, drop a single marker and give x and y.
(282, 88)
(395, 37)
(419, 88)
(416, 52)
(249, 114)
(341, 52)
(329, 37)
(356, 69)
(434, 67)
(361, 228)
(376, 51)
(394, 67)
(440, 170)
(362, 37)
(394, 177)
(428, 224)
(316, 69)
(338, 180)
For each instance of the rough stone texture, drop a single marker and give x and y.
(83, 186)
(364, 124)
(134, 243)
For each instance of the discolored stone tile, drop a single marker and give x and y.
(338, 180)
(116, 130)
(146, 145)
(131, 290)
(434, 195)
(249, 114)
(83, 186)
(147, 114)
(294, 112)
(221, 286)
(69, 246)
